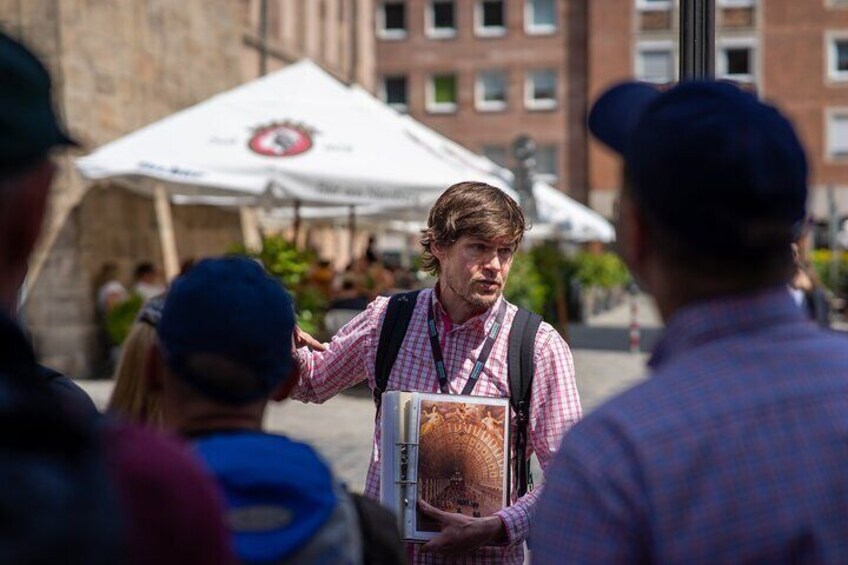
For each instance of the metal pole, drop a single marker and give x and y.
(263, 37)
(697, 39)
(635, 329)
(833, 234)
(351, 226)
(353, 46)
(524, 152)
(297, 219)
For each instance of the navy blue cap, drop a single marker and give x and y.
(230, 308)
(708, 161)
(151, 311)
(28, 124)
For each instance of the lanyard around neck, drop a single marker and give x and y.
(439, 360)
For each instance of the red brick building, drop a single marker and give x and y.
(793, 52)
(483, 72)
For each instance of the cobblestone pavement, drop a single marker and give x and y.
(341, 428)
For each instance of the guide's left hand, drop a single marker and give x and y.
(461, 535)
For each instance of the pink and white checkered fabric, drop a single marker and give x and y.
(555, 405)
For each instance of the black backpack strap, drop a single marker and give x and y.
(522, 337)
(381, 541)
(395, 324)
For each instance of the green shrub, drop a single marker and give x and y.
(821, 261)
(539, 275)
(120, 318)
(603, 270)
(283, 260)
(525, 286)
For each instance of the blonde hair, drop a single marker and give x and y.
(132, 398)
(474, 209)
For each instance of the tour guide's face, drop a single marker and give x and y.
(475, 270)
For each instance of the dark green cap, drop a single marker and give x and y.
(28, 124)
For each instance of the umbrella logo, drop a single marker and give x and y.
(281, 139)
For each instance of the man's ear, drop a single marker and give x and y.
(285, 388)
(438, 251)
(154, 368)
(635, 244)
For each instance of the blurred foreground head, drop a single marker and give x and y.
(29, 129)
(226, 331)
(715, 184)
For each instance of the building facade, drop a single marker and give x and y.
(336, 34)
(793, 53)
(116, 67)
(483, 72)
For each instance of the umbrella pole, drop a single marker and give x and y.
(251, 236)
(167, 239)
(352, 229)
(296, 234)
(562, 308)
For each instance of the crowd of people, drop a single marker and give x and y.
(363, 279)
(733, 451)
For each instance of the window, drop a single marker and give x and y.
(837, 56)
(391, 20)
(735, 60)
(441, 94)
(837, 133)
(441, 19)
(736, 3)
(647, 5)
(540, 16)
(655, 62)
(496, 154)
(490, 91)
(546, 163)
(394, 92)
(540, 90)
(489, 18)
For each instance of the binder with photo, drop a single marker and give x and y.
(451, 451)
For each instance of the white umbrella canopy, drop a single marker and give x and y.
(296, 135)
(559, 215)
(572, 220)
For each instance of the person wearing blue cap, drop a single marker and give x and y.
(735, 449)
(222, 354)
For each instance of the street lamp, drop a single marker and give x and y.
(524, 152)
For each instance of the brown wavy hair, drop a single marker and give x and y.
(470, 209)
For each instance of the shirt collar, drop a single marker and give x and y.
(714, 319)
(479, 322)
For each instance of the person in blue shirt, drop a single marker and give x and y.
(223, 351)
(735, 449)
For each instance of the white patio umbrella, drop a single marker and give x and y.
(559, 215)
(294, 136)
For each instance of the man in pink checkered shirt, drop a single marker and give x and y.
(472, 234)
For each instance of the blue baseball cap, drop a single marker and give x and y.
(708, 162)
(28, 125)
(228, 308)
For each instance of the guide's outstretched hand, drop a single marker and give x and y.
(461, 535)
(303, 339)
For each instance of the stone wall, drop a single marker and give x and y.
(117, 66)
